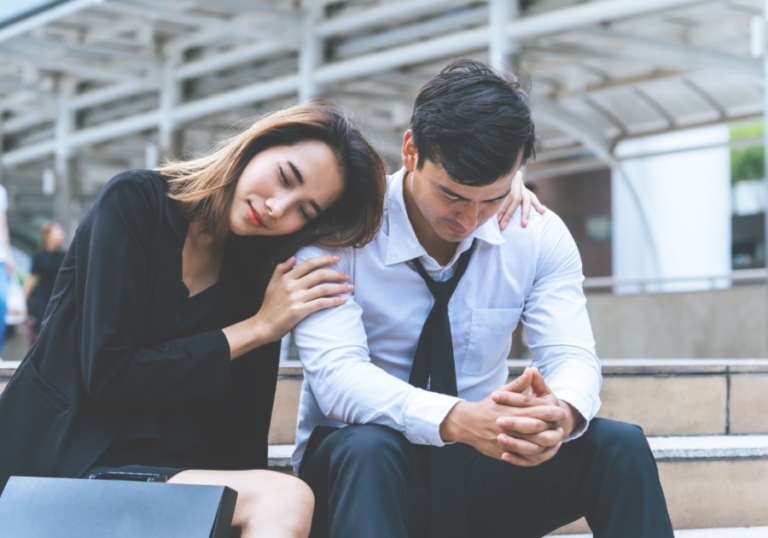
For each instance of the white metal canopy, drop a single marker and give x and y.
(89, 87)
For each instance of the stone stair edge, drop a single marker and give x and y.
(741, 532)
(693, 447)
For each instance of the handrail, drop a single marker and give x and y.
(653, 284)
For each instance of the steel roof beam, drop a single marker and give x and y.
(49, 15)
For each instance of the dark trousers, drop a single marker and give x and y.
(370, 481)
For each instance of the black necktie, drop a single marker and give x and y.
(434, 363)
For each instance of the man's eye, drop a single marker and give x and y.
(452, 198)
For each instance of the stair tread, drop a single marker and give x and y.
(742, 532)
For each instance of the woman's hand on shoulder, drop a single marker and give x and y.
(518, 195)
(294, 293)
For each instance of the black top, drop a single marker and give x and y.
(45, 265)
(111, 350)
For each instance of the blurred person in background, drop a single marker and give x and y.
(38, 286)
(7, 265)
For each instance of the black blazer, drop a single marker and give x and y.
(104, 353)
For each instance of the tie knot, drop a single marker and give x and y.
(442, 291)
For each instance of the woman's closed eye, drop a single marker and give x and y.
(283, 176)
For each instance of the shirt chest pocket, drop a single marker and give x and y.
(489, 337)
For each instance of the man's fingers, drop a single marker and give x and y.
(538, 385)
(531, 461)
(520, 384)
(517, 400)
(520, 446)
(522, 425)
(547, 413)
(546, 439)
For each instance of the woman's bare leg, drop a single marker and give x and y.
(269, 504)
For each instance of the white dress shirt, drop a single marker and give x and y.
(357, 357)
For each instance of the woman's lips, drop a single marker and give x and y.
(254, 217)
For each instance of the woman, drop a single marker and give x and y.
(159, 353)
(38, 286)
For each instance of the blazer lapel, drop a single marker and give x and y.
(164, 298)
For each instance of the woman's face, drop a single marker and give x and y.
(285, 187)
(55, 237)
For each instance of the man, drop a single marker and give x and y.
(405, 425)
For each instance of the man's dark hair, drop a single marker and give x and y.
(473, 122)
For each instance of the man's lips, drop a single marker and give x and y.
(254, 217)
(458, 231)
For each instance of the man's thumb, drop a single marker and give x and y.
(538, 385)
(520, 384)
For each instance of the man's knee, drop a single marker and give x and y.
(618, 440)
(370, 442)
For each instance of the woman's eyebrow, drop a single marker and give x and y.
(296, 173)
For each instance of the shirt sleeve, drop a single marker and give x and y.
(348, 387)
(557, 325)
(113, 249)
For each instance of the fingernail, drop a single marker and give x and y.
(503, 439)
(505, 457)
(336, 257)
(350, 287)
(495, 396)
(343, 299)
(347, 277)
(500, 422)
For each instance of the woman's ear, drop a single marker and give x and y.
(410, 154)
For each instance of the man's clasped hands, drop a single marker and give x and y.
(519, 428)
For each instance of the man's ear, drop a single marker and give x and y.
(410, 154)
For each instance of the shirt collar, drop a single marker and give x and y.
(403, 245)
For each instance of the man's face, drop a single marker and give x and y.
(452, 209)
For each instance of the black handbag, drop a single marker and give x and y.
(33, 507)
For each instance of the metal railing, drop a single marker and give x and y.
(670, 284)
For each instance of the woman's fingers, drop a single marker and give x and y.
(541, 208)
(526, 206)
(322, 275)
(324, 290)
(283, 268)
(314, 263)
(321, 304)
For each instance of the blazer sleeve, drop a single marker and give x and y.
(114, 246)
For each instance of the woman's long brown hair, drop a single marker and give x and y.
(205, 186)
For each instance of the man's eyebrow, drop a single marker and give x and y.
(449, 192)
(499, 197)
(296, 173)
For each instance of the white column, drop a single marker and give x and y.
(309, 55)
(62, 158)
(765, 118)
(169, 98)
(501, 47)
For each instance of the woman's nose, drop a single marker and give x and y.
(275, 207)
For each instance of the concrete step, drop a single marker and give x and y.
(742, 532)
(663, 396)
(710, 482)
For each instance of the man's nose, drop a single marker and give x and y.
(468, 217)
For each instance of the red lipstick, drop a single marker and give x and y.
(254, 217)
